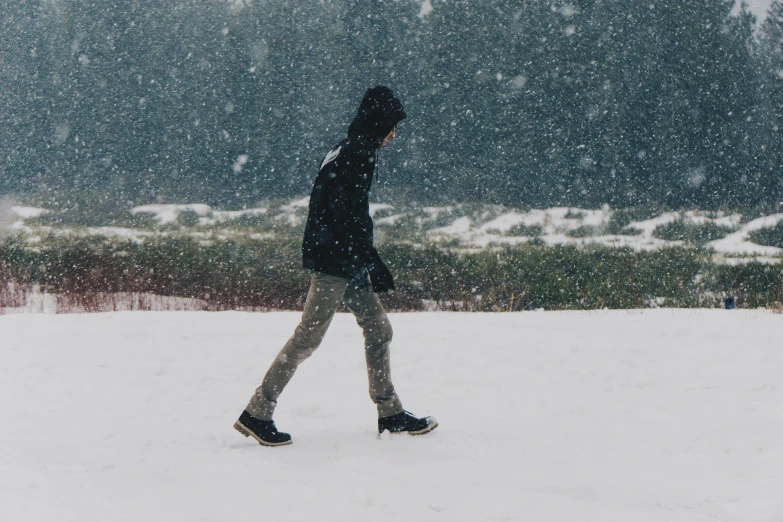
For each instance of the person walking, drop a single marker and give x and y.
(338, 250)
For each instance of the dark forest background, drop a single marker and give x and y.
(518, 102)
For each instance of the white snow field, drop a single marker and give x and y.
(660, 415)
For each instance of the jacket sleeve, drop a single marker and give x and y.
(352, 209)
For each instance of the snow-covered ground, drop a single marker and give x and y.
(28, 212)
(738, 241)
(206, 214)
(556, 223)
(661, 415)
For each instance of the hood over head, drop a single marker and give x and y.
(378, 113)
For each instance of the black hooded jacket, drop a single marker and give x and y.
(338, 237)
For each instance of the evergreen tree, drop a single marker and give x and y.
(521, 102)
(770, 136)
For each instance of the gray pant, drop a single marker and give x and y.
(324, 297)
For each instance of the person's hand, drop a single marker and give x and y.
(382, 279)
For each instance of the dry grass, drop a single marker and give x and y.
(12, 294)
(14, 298)
(98, 302)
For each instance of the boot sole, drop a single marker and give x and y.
(241, 428)
(425, 430)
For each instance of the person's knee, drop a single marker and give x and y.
(389, 332)
(385, 332)
(312, 331)
(296, 355)
(306, 341)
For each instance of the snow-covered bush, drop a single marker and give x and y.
(266, 274)
(694, 233)
(769, 236)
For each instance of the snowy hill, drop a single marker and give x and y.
(469, 227)
(664, 415)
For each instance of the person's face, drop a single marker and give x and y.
(389, 137)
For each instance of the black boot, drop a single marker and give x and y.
(405, 422)
(265, 432)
